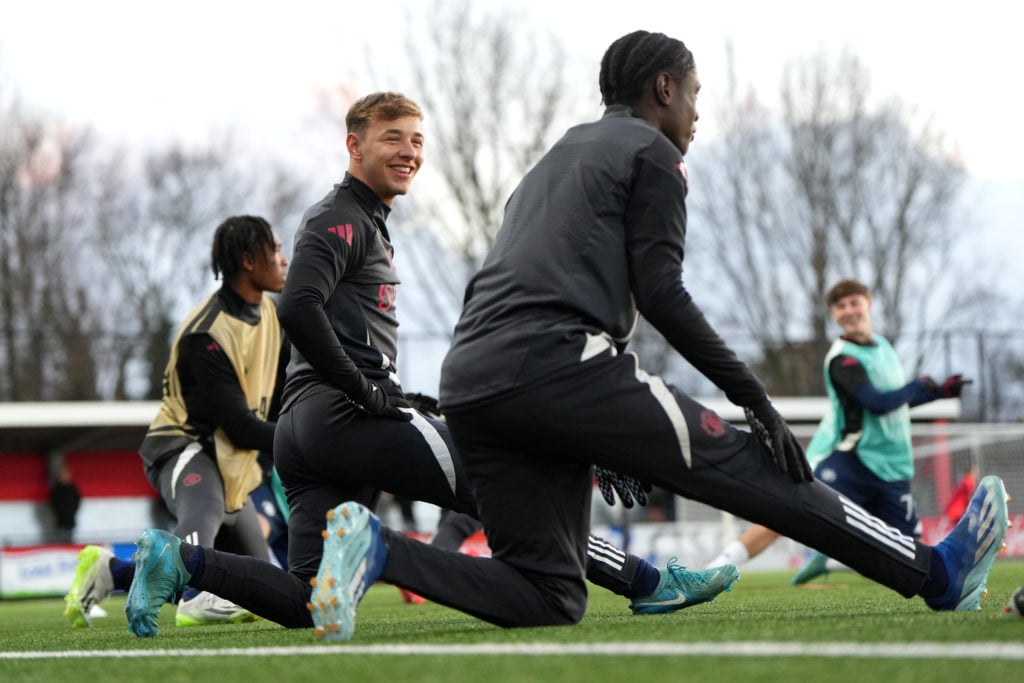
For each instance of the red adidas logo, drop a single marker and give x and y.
(343, 231)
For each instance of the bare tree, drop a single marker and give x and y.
(158, 233)
(833, 188)
(980, 337)
(20, 137)
(103, 250)
(47, 315)
(495, 95)
(71, 304)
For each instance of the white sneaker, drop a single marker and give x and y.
(207, 608)
(93, 582)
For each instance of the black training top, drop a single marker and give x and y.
(338, 303)
(592, 236)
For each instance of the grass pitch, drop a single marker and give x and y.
(848, 629)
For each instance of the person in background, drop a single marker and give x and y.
(273, 518)
(862, 447)
(961, 495)
(65, 499)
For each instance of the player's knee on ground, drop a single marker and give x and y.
(567, 599)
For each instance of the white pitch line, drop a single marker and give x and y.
(928, 650)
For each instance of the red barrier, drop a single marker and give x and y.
(98, 474)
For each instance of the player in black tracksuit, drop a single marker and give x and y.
(536, 388)
(339, 303)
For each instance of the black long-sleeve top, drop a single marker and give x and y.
(338, 302)
(593, 236)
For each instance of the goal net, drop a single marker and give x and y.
(943, 453)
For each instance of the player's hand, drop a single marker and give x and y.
(627, 487)
(383, 399)
(953, 386)
(425, 404)
(396, 396)
(768, 426)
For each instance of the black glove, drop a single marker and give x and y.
(382, 398)
(396, 396)
(768, 426)
(424, 404)
(626, 487)
(953, 385)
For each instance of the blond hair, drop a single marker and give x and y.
(379, 105)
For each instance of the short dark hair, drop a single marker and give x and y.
(844, 288)
(632, 62)
(379, 105)
(236, 237)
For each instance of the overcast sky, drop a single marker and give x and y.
(146, 70)
(143, 67)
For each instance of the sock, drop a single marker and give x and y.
(194, 559)
(123, 571)
(734, 553)
(937, 583)
(647, 580)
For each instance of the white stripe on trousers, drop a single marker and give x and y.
(437, 446)
(664, 397)
(601, 551)
(858, 518)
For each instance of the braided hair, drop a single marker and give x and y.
(632, 62)
(236, 237)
